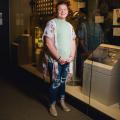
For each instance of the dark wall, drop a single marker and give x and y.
(4, 33)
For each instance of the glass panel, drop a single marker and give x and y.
(96, 67)
(103, 64)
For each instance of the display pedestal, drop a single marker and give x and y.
(101, 74)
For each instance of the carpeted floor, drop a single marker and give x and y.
(21, 99)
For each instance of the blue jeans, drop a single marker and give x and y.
(57, 87)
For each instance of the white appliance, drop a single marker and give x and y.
(101, 74)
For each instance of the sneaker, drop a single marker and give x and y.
(53, 111)
(64, 106)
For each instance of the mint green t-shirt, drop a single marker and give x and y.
(63, 38)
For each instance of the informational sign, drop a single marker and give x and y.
(19, 19)
(116, 31)
(1, 18)
(116, 15)
(82, 4)
(99, 19)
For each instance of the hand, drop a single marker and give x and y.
(62, 61)
(69, 59)
(69, 77)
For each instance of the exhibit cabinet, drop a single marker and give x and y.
(96, 80)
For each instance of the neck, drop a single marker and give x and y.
(61, 18)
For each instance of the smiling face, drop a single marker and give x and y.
(62, 11)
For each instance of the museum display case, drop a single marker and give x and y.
(101, 75)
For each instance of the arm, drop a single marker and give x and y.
(73, 51)
(71, 58)
(49, 44)
(73, 46)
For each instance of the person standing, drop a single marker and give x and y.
(59, 39)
